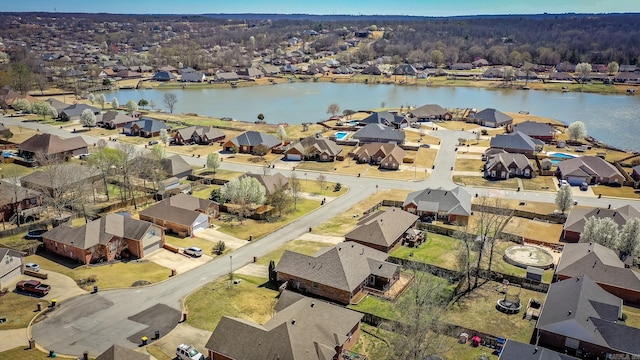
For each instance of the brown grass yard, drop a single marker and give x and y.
(623, 192)
(458, 125)
(341, 224)
(110, 276)
(469, 165)
(250, 299)
(426, 157)
(220, 174)
(510, 184)
(535, 230)
(531, 206)
(20, 134)
(206, 245)
(539, 183)
(299, 246)
(252, 159)
(477, 311)
(19, 310)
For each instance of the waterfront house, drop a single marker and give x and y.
(145, 127)
(590, 169)
(388, 156)
(516, 143)
(536, 130)
(313, 148)
(430, 112)
(491, 118)
(114, 120)
(385, 118)
(379, 133)
(249, 141)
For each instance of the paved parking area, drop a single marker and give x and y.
(183, 334)
(180, 262)
(62, 286)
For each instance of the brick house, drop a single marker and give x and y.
(302, 328)
(11, 205)
(383, 231)
(117, 352)
(388, 156)
(145, 128)
(590, 169)
(491, 118)
(182, 214)
(248, 141)
(520, 351)
(313, 148)
(10, 265)
(52, 146)
(574, 225)
(379, 133)
(580, 319)
(203, 135)
(452, 206)
(536, 130)
(603, 266)
(338, 273)
(516, 143)
(111, 237)
(506, 165)
(430, 112)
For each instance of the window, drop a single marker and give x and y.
(113, 246)
(314, 285)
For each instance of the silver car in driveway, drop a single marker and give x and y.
(193, 251)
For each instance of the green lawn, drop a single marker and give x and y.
(299, 246)
(19, 310)
(220, 174)
(251, 299)
(261, 228)
(439, 250)
(18, 241)
(206, 245)
(477, 311)
(116, 275)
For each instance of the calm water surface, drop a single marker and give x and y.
(613, 119)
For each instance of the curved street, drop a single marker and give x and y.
(94, 322)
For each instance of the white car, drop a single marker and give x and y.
(186, 352)
(32, 267)
(193, 251)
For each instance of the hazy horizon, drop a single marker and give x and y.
(328, 7)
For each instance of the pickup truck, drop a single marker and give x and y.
(33, 286)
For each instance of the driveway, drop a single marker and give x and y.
(180, 262)
(213, 235)
(62, 286)
(183, 334)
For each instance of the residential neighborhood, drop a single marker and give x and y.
(412, 217)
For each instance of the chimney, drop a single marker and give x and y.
(313, 304)
(293, 321)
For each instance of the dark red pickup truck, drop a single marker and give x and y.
(33, 286)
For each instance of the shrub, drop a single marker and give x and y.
(338, 187)
(220, 247)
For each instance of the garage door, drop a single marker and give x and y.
(575, 181)
(10, 276)
(201, 223)
(152, 245)
(295, 157)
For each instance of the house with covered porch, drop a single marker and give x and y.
(451, 206)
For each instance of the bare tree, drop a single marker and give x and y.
(333, 109)
(115, 104)
(603, 231)
(104, 160)
(61, 182)
(295, 187)
(164, 136)
(321, 179)
(125, 160)
(12, 175)
(170, 101)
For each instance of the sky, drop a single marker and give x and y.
(327, 7)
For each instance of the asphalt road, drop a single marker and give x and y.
(96, 321)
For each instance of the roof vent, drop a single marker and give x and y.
(598, 212)
(380, 266)
(578, 278)
(567, 314)
(313, 304)
(352, 245)
(535, 350)
(293, 321)
(615, 213)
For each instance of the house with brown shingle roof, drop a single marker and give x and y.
(182, 214)
(15, 199)
(271, 183)
(338, 273)
(453, 206)
(52, 146)
(506, 165)
(386, 155)
(430, 112)
(203, 135)
(590, 169)
(574, 225)
(64, 176)
(108, 238)
(113, 119)
(301, 329)
(314, 149)
(383, 230)
(603, 266)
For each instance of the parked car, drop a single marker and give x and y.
(193, 251)
(32, 267)
(83, 156)
(35, 234)
(186, 352)
(153, 142)
(563, 182)
(33, 286)
(584, 186)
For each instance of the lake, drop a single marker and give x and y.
(613, 119)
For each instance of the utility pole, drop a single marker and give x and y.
(230, 270)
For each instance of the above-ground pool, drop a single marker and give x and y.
(341, 135)
(556, 157)
(524, 255)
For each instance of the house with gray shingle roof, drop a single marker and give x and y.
(453, 206)
(108, 238)
(301, 329)
(520, 351)
(536, 130)
(430, 112)
(491, 118)
(383, 230)
(385, 118)
(338, 273)
(603, 265)
(248, 141)
(117, 352)
(10, 265)
(176, 166)
(193, 76)
(506, 165)
(145, 127)
(574, 225)
(387, 156)
(182, 214)
(313, 148)
(517, 143)
(113, 119)
(581, 318)
(590, 169)
(379, 133)
(203, 135)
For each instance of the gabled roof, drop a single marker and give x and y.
(117, 352)
(383, 228)
(580, 309)
(382, 117)
(77, 109)
(99, 231)
(587, 166)
(386, 149)
(534, 128)
(57, 104)
(68, 172)
(163, 75)
(181, 209)
(148, 125)
(114, 117)
(454, 202)
(514, 350)
(515, 140)
(255, 138)
(271, 183)
(381, 132)
(6, 251)
(209, 131)
(312, 145)
(509, 160)
(8, 195)
(49, 144)
(344, 266)
(429, 110)
(578, 217)
(599, 263)
(491, 115)
(302, 329)
(193, 76)
(175, 165)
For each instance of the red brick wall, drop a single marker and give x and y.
(321, 290)
(67, 251)
(216, 356)
(557, 342)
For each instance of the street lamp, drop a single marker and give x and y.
(230, 270)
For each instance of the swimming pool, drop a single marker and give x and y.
(556, 157)
(341, 135)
